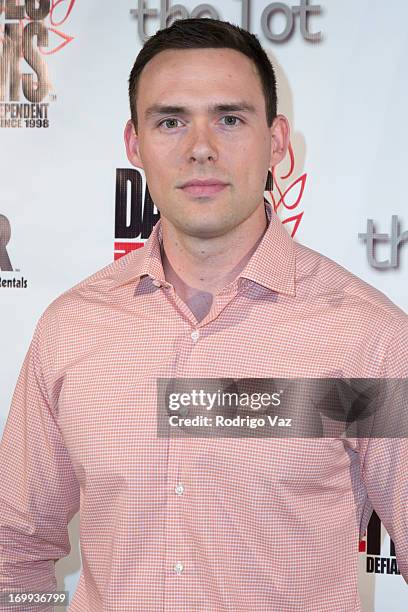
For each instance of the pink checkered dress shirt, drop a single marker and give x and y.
(198, 524)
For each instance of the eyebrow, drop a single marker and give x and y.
(169, 109)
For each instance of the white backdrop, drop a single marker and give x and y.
(346, 97)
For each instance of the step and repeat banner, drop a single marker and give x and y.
(70, 202)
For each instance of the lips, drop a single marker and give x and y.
(203, 187)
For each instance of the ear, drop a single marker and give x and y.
(280, 135)
(132, 145)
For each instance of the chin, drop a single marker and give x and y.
(208, 229)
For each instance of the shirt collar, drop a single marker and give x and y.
(271, 265)
(142, 262)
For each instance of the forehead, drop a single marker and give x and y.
(199, 74)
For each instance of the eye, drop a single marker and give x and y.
(169, 123)
(231, 120)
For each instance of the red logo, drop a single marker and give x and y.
(286, 195)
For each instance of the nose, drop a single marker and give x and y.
(201, 146)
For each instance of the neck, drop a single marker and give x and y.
(195, 265)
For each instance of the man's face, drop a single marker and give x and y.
(201, 117)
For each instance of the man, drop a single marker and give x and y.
(219, 291)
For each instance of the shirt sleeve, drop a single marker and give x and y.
(384, 460)
(39, 493)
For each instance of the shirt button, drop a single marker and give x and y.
(178, 568)
(195, 335)
(156, 283)
(179, 489)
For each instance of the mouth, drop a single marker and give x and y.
(203, 188)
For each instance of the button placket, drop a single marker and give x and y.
(179, 558)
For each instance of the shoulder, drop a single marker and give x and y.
(100, 287)
(86, 310)
(320, 276)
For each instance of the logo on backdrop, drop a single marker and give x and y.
(395, 240)
(28, 33)
(5, 263)
(290, 15)
(136, 214)
(371, 545)
(286, 193)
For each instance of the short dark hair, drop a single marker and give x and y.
(203, 33)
